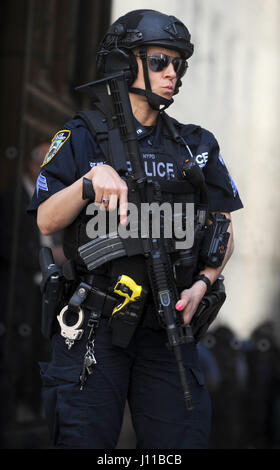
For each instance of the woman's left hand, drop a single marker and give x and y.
(190, 299)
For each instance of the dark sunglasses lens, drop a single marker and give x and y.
(158, 62)
(180, 67)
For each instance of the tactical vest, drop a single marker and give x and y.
(174, 189)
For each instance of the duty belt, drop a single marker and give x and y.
(96, 303)
(85, 298)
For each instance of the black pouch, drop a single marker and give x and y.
(125, 322)
(208, 309)
(215, 242)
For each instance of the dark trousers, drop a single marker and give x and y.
(145, 374)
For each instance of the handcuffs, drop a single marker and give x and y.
(70, 333)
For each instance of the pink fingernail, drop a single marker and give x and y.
(179, 307)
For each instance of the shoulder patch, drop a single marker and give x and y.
(59, 139)
(233, 185)
(221, 160)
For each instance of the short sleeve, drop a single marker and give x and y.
(222, 190)
(72, 153)
(58, 169)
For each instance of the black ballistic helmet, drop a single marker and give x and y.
(140, 29)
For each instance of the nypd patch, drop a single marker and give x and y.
(221, 160)
(59, 139)
(232, 183)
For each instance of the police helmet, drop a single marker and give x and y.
(140, 29)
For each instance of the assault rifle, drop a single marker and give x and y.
(110, 96)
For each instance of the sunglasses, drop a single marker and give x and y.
(158, 62)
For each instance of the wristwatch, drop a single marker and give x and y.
(202, 277)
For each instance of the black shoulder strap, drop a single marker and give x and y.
(108, 139)
(96, 124)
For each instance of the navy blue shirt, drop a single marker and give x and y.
(74, 151)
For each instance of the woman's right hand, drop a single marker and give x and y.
(109, 189)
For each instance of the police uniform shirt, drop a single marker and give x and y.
(74, 151)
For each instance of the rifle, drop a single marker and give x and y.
(110, 96)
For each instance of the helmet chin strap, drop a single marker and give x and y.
(155, 101)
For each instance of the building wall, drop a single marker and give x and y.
(232, 89)
(47, 47)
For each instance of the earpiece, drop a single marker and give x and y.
(118, 60)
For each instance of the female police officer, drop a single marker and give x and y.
(153, 48)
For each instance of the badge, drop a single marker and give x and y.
(57, 142)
